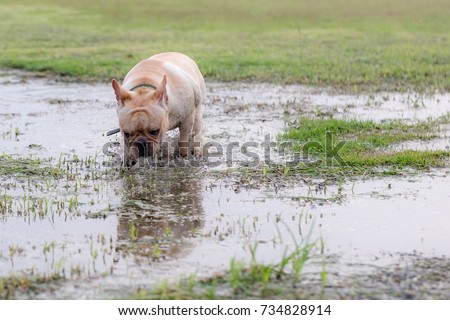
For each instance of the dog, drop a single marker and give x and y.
(161, 93)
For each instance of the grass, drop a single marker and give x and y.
(23, 166)
(11, 286)
(359, 146)
(67, 166)
(346, 43)
(242, 281)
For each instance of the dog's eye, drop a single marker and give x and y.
(127, 135)
(154, 132)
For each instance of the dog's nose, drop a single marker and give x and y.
(141, 141)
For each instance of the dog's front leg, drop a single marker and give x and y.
(186, 135)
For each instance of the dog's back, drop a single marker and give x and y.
(185, 63)
(176, 66)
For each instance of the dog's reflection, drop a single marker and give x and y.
(162, 210)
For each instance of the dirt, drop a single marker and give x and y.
(123, 231)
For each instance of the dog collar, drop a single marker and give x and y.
(143, 85)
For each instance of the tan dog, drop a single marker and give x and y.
(160, 93)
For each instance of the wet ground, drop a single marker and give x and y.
(109, 233)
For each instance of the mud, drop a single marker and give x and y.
(111, 235)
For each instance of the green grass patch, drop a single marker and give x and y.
(25, 166)
(427, 276)
(27, 286)
(359, 146)
(242, 281)
(67, 166)
(346, 43)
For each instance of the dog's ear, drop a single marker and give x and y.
(121, 93)
(161, 92)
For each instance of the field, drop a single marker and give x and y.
(345, 44)
(333, 119)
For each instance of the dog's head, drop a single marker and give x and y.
(143, 119)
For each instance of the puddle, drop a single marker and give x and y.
(431, 145)
(110, 235)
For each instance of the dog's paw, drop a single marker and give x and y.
(197, 152)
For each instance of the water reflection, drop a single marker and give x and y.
(161, 210)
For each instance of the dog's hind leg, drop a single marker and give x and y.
(196, 138)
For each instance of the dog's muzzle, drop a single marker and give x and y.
(140, 148)
(143, 147)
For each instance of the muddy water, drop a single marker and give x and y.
(112, 235)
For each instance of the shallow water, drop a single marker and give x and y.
(112, 235)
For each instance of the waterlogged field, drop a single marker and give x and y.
(302, 225)
(335, 188)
